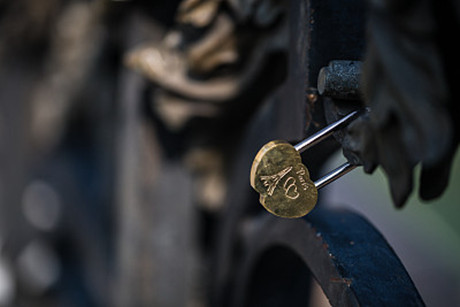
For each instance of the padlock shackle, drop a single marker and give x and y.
(334, 175)
(326, 132)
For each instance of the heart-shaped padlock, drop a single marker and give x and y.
(284, 183)
(282, 180)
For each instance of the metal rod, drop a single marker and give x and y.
(334, 175)
(324, 133)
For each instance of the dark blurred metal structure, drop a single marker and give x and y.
(349, 259)
(128, 129)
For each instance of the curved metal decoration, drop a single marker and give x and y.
(349, 258)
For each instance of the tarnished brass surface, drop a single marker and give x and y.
(283, 182)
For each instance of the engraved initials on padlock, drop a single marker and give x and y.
(284, 183)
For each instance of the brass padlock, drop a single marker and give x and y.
(284, 182)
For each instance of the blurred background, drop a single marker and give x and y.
(118, 126)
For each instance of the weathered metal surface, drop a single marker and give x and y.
(340, 80)
(411, 87)
(345, 254)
